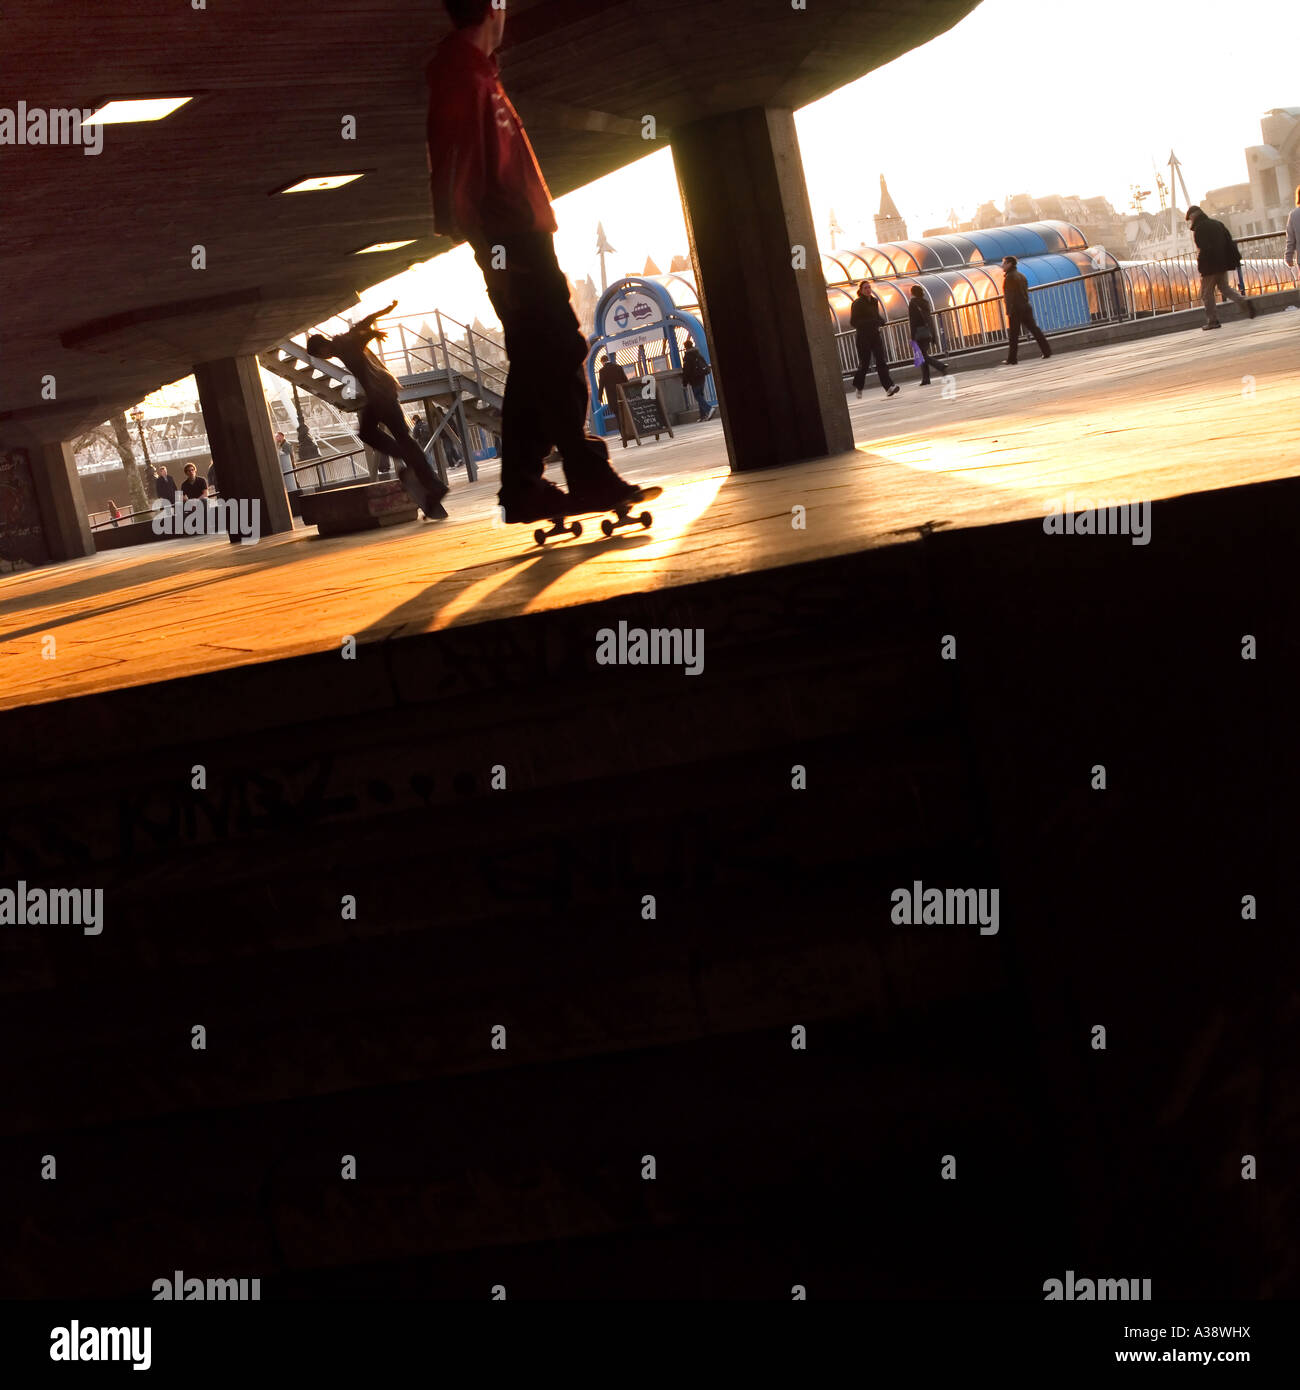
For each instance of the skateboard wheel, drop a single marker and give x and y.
(539, 536)
(645, 518)
(607, 526)
(576, 529)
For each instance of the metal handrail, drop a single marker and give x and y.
(982, 323)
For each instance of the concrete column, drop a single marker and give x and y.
(770, 334)
(62, 504)
(240, 437)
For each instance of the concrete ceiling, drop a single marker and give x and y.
(97, 282)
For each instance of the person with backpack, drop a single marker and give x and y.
(921, 321)
(1216, 257)
(695, 372)
(867, 318)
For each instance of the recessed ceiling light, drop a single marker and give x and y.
(135, 109)
(384, 246)
(317, 183)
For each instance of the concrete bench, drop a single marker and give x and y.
(361, 507)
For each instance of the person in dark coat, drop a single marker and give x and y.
(867, 318)
(1020, 312)
(921, 321)
(611, 375)
(1216, 257)
(695, 372)
(164, 486)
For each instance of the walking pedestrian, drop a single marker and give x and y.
(1020, 312)
(382, 424)
(1216, 256)
(695, 372)
(867, 318)
(1293, 230)
(486, 189)
(921, 321)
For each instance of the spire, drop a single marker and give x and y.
(889, 221)
(887, 208)
(651, 268)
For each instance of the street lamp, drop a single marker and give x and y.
(138, 416)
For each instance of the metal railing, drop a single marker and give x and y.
(1096, 298)
(473, 360)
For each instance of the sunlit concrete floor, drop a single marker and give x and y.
(1188, 412)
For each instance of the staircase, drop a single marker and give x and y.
(432, 367)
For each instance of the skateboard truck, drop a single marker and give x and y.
(623, 517)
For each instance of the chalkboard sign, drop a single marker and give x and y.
(640, 415)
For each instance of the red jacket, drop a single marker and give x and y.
(483, 174)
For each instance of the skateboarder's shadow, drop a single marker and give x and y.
(529, 576)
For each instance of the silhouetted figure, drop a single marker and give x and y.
(1020, 313)
(382, 424)
(611, 375)
(164, 486)
(867, 318)
(113, 512)
(487, 189)
(1216, 257)
(924, 334)
(695, 372)
(1293, 229)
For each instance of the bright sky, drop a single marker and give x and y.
(1021, 97)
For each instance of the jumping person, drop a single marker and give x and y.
(382, 410)
(1216, 256)
(868, 318)
(487, 189)
(924, 335)
(1020, 312)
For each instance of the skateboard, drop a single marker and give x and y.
(621, 516)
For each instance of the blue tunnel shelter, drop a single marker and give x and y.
(642, 323)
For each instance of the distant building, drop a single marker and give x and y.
(1095, 217)
(889, 221)
(1273, 168)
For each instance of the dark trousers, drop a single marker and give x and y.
(1018, 317)
(546, 398)
(382, 414)
(871, 347)
(927, 361)
(697, 390)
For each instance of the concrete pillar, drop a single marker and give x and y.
(240, 438)
(772, 343)
(61, 501)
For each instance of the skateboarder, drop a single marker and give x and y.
(487, 190)
(382, 410)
